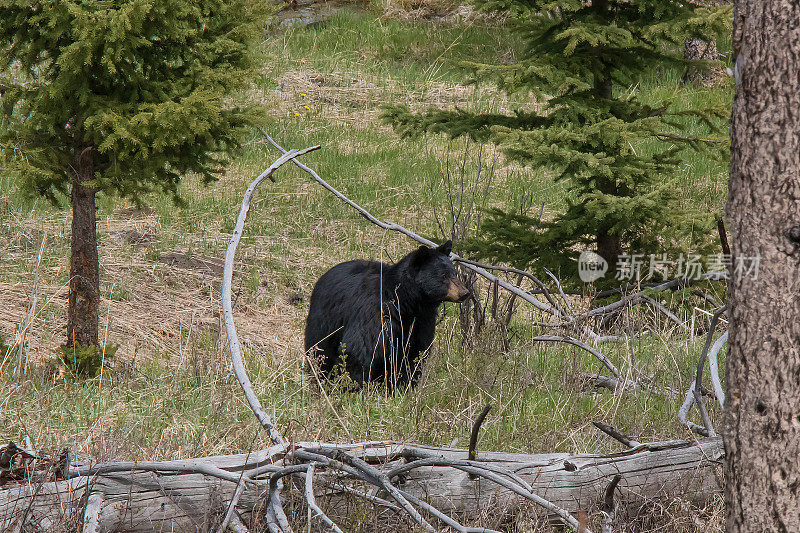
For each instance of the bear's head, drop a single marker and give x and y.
(435, 274)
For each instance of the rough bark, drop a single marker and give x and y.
(700, 50)
(135, 501)
(762, 417)
(609, 247)
(83, 311)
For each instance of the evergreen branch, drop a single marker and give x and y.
(671, 137)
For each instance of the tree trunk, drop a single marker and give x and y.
(762, 416)
(609, 247)
(697, 50)
(84, 269)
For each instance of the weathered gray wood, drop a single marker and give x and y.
(163, 501)
(575, 482)
(91, 516)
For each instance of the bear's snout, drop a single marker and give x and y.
(457, 292)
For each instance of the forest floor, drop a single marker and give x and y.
(168, 392)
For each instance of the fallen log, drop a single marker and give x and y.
(425, 485)
(192, 494)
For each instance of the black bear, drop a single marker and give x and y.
(379, 317)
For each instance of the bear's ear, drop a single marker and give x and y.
(419, 257)
(446, 248)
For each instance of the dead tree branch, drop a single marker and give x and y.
(473, 438)
(277, 521)
(694, 394)
(575, 342)
(312, 502)
(612, 432)
(227, 276)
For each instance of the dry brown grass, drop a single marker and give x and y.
(164, 303)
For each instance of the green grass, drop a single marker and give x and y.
(408, 53)
(169, 392)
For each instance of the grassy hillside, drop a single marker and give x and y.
(169, 391)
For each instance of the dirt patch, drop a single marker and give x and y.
(304, 13)
(446, 11)
(134, 237)
(194, 262)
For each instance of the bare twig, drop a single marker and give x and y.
(428, 459)
(669, 314)
(230, 512)
(192, 467)
(620, 384)
(629, 299)
(237, 526)
(473, 438)
(542, 287)
(476, 426)
(698, 396)
(443, 517)
(683, 413)
(707, 297)
(694, 394)
(575, 342)
(227, 275)
(312, 502)
(360, 494)
(723, 236)
(244, 478)
(614, 434)
(609, 512)
(560, 290)
(719, 393)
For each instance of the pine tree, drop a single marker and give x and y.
(588, 129)
(120, 97)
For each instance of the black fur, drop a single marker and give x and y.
(380, 316)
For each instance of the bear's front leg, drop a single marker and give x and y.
(363, 350)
